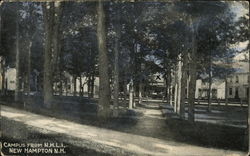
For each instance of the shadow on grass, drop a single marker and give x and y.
(209, 135)
(78, 112)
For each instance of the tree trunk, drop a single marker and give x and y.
(226, 86)
(61, 84)
(57, 34)
(140, 91)
(116, 63)
(80, 86)
(29, 69)
(2, 58)
(92, 84)
(176, 86)
(66, 84)
(104, 89)
(89, 85)
(60, 48)
(165, 91)
(210, 84)
(169, 87)
(17, 90)
(74, 83)
(48, 9)
(248, 101)
(141, 85)
(131, 94)
(226, 92)
(193, 72)
(183, 85)
(175, 97)
(125, 91)
(134, 65)
(171, 90)
(179, 76)
(3, 74)
(134, 96)
(188, 80)
(56, 41)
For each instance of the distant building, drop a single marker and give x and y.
(10, 79)
(156, 85)
(217, 89)
(237, 87)
(10, 82)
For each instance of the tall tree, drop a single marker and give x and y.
(2, 63)
(17, 90)
(196, 13)
(248, 99)
(52, 15)
(30, 25)
(57, 35)
(116, 63)
(48, 10)
(184, 78)
(193, 71)
(104, 84)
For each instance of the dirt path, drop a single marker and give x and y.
(139, 145)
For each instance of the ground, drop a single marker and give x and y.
(152, 129)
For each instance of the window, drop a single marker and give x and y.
(230, 91)
(231, 79)
(12, 81)
(236, 96)
(237, 79)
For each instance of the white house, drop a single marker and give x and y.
(238, 85)
(10, 79)
(217, 87)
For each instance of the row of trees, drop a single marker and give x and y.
(121, 43)
(185, 46)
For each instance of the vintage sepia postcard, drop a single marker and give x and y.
(124, 78)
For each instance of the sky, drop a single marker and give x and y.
(238, 8)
